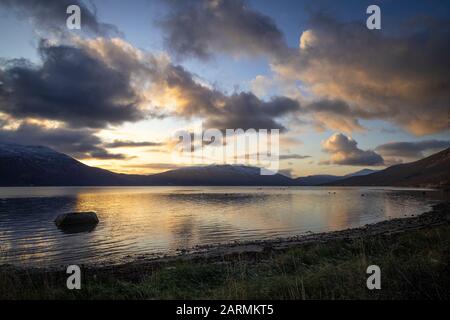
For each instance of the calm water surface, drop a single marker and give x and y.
(138, 221)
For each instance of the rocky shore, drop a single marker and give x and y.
(439, 215)
(295, 268)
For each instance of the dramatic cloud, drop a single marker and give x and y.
(417, 149)
(344, 151)
(200, 28)
(246, 111)
(87, 85)
(50, 15)
(77, 143)
(105, 154)
(335, 115)
(72, 86)
(402, 78)
(171, 90)
(351, 72)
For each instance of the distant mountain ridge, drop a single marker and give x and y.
(219, 175)
(316, 180)
(41, 166)
(432, 171)
(363, 172)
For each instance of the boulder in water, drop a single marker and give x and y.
(76, 219)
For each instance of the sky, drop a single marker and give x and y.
(115, 93)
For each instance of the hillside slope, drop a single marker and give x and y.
(319, 179)
(41, 166)
(219, 175)
(433, 171)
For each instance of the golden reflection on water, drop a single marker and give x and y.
(155, 220)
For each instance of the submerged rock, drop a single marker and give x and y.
(76, 220)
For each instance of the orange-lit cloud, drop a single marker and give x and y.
(399, 79)
(344, 150)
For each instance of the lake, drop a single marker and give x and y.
(147, 221)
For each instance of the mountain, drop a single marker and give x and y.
(218, 175)
(42, 166)
(432, 171)
(316, 180)
(363, 172)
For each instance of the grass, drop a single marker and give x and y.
(414, 265)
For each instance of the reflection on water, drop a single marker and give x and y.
(79, 228)
(136, 221)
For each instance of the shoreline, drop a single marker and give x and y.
(438, 215)
(412, 252)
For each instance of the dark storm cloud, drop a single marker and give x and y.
(199, 99)
(50, 15)
(344, 151)
(336, 114)
(105, 154)
(123, 143)
(241, 110)
(77, 143)
(102, 82)
(246, 111)
(201, 28)
(411, 149)
(70, 86)
(402, 77)
(336, 107)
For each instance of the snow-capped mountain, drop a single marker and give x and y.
(37, 165)
(41, 166)
(220, 175)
